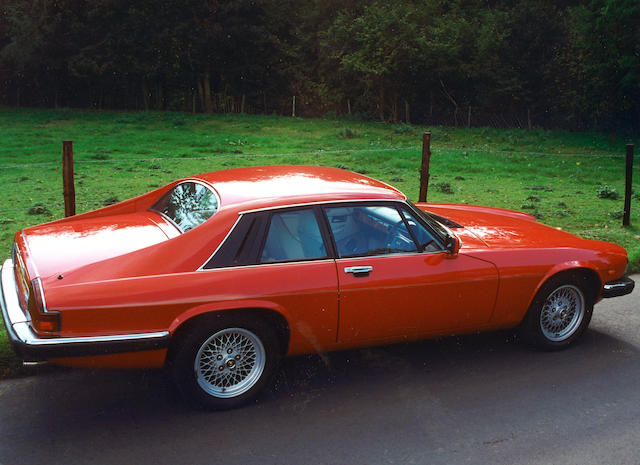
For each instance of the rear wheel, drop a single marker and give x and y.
(559, 313)
(225, 362)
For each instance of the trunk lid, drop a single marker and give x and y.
(55, 248)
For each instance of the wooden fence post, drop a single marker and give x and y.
(626, 218)
(424, 169)
(68, 188)
(293, 107)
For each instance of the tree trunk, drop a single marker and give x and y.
(469, 117)
(407, 113)
(193, 100)
(159, 97)
(529, 117)
(207, 92)
(244, 97)
(453, 102)
(145, 95)
(293, 107)
(264, 102)
(201, 94)
(18, 96)
(394, 108)
(381, 100)
(430, 104)
(349, 106)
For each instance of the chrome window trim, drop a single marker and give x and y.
(201, 267)
(309, 260)
(389, 255)
(321, 202)
(327, 203)
(171, 222)
(195, 181)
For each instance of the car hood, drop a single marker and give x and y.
(55, 248)
(499, 228)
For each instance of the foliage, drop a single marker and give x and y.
(606, 192)
(502, 63)
(147, 150)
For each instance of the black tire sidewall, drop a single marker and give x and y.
(532, 329)
(183, 359)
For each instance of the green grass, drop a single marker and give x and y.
(555, 175)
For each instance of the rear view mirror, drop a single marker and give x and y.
(452, 245)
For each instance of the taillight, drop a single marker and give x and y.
(42, 319)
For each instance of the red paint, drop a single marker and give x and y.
(127, 270)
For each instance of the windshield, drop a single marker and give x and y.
(187, 205)
(439, 228)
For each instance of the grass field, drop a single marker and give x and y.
(574, 181)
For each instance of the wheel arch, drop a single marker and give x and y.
(268, 316)
(591, 279)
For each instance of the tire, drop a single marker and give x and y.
(559, 314)
(225, 362)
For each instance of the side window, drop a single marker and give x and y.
(423, 237)
(293, 235)
(242, 245)
(369, 230)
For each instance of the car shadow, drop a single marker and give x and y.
(457, 360)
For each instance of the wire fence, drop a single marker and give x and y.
(443, 151)
(345, 151)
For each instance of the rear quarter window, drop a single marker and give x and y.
(187, 205)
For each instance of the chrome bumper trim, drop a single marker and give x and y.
(619, 287)
(33, 347)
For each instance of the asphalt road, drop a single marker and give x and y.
(481, 399)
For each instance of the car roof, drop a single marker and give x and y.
(255, 188)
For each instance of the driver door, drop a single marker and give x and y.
(396, 281)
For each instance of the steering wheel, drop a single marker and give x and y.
(395, 242)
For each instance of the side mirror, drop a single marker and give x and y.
(452, 245)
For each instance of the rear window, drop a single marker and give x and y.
(187, 205)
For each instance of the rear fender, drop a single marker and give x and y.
(225, 306)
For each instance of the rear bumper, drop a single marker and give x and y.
(30, 346)
(622, 286)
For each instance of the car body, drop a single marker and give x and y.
(220, 275)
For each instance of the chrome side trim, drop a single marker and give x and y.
(44, 302)
(31, 346)
(26, 246)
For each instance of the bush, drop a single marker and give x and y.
(110, 200)
(347, 133)
(606, 192)
(39, 209)
(443, 187)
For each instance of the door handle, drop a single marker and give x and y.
(359, 271)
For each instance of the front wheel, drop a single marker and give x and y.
(224, 364)
(559, 314)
